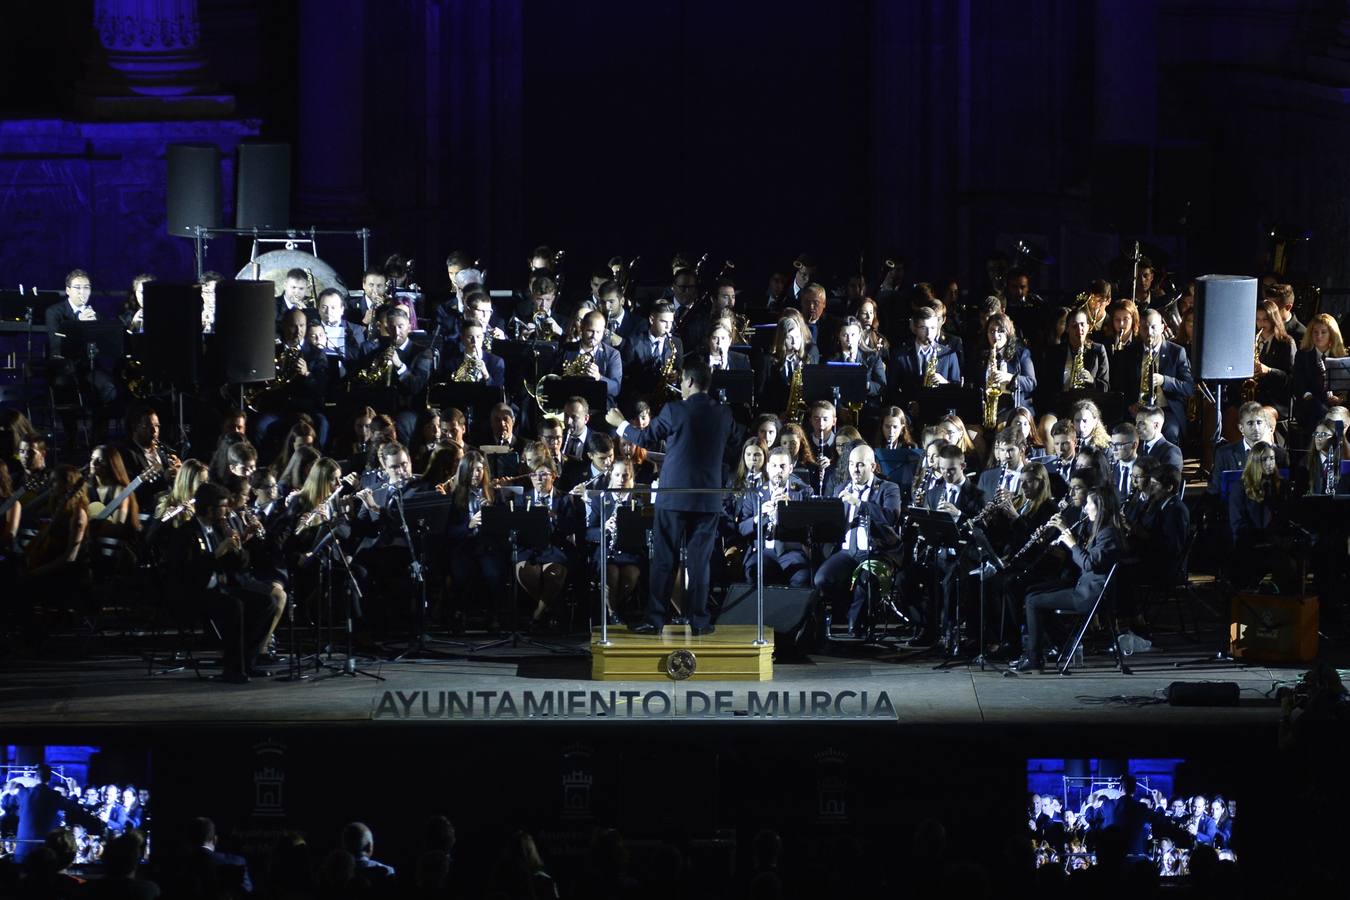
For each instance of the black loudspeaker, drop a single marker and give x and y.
(192, 187)
(171, 346)
(1203, 693)
(1120, 188)
(790, 612)
(246, 328)
(264, 195)
(1225, 326)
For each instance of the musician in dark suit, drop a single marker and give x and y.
(1258, 519)
(302, 380)
(912, 360)
(648, 351)
(961, 498)
(1149, 422)
(71, 363)
(295, 294)
(1014, 372)
(824, 329)
(717, 355)
(780, 366)
(605, 363)
(785, 562)
(343, 338)
(409, 368)
(871, 508)
(1058, 362)
(482, 368)
(690, 427)
(1256, 427)
(41, 809)
(1312, 388)
(851, 352)
(620, 322)
(1274, 364)
(1099, 550)
(1171, 380)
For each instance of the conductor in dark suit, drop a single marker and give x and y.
(40, 808)
(690, 427)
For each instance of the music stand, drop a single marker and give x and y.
(936, 402)
(813, 522)
(843, 384)
(107, 338)
(502, 461)
(474, 400)
(632, 528)
(894, 462)
(941, 532)
(733, 386)
(521, 529)
(557, 391)
(427, 516)
(526, 361)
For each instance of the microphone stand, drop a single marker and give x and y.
(328, 544)
(417, 570)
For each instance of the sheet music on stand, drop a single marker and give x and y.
(1338, 374)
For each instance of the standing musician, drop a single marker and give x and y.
(470, 363)
(1099, 549)
(1162, 377)
(1007, 368)
(784, 562)
(1062, 361)
(301, 382)
(649, 353)
(1121, 337)
(926, 361)
(871, 508)
(593, 356)
(213, 560)
(1312, 388)
(852, 351)
(782, 365)
(398, 362)
(623, 568)
(542, 573)
(690, 427)
(1273, 371)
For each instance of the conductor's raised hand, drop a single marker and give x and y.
(615, 418)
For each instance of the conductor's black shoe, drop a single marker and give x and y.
(647, 628)
(614, 619)
(679, 620)
(699, 632)
(1027, 663)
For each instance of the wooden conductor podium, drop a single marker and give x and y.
(728, 654)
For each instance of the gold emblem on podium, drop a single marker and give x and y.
(681, 664)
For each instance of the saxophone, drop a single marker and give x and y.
(1078, 373)
(1146, 373)
(796, 402)
(380, 370)
(992, 391)
(669, 377)
(286, 363)
(1248, 389)
(930, 370)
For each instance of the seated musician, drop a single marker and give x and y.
(576, 420)
(34, 475)
(1156, 527)
(1064, 373)
(959, 497)
(649, 352)
(593, 357)
(851, 351)
(342, 338)
(1123, 344)
(624, 568)
(1150, 422)
(542, 573)
(302, 380)
(1005, 472)
(782, 365)
(873, 339)
(502, 428)
(551, 430)
(536, 313)
(477, 562)
(70, 362)
(1312, 388)
(300, 435)
(821, 419)
(1320, 472)
(1162, 378)
(1274, 364)
(1035, 440)
(292, 476)
(823, 329)
(1099, 549)
(1010, 363)
(1064, 443)
(1124, 450)
(893, 433)
(717, 351)
(924, 362)
(971, 442)
(295, 297)
(1257, 426)
(1258, 519)
(211, 556)
(872, 507)
(1089, 429)
(60, 549)
(804, 465)
(427, 436)
(9, 520)
(593, 471)
(750, 472)
(174, 506)
(620, 325)
(108, 478)
(784, 562)
(470, 363)
(397, 361)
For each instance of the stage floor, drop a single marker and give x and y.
(109, 687)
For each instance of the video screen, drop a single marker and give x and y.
(73, 800)
(1161, 810)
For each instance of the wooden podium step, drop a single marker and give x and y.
(728, 654)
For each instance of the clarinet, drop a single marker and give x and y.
(1040, 532)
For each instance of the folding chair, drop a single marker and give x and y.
(1067, 654)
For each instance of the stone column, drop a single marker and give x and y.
(149, 63)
